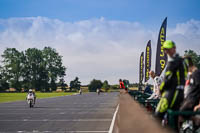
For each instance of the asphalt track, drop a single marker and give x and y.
(87, 113)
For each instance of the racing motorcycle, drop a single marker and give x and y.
(80, 91)
(98, 91)
(30, 100)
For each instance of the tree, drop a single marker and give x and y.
(34, 68)
(75, 84)
(106, 86)
(12, 60)
(62, 84)
(94, 85)
(53, 64)
(3, 83)
(35, 74)
(194, 56)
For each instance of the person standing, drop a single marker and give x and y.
(126, 83)
(193, 93)
(172, 87)
(156, 89)
(121, 84)
(192, 96)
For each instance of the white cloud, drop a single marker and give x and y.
(186, 36)
(94, 48)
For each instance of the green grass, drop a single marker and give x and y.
(11, 97)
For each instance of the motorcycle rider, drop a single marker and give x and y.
(98, 91)
(30, 91)
(80, 91)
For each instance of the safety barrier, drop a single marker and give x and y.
(151, 104)
(172, 114)
(142, 98)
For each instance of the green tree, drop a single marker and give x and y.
(3, 83)
(35, 74)
(54, 66)
(62, 84)
(75, 84)
(94, 85)
(12, 61)
(34, 68)
(106, 86)
(194, 56)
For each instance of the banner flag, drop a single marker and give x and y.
(161, 57)
(141, 75)
(147, 61)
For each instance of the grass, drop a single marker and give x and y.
(11, 97)
(133, 88)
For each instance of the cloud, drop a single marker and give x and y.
(95, 48)
(186, 36)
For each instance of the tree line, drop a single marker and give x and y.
(93, 85)
(43, 70)
(31, 69)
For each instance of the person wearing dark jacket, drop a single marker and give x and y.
(172, 87)
(193, 95)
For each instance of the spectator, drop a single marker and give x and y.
(157, 81)
(125, 85)
(121, 84)
(193, 93)
(147, 89)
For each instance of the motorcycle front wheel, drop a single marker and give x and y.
(30, 104)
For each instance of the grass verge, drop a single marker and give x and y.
(11, 97)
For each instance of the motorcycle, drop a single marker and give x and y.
(30, 100)
(80, 91)
(98, 91)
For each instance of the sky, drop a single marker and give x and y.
(98, 39)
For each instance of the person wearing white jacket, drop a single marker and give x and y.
(157, 82)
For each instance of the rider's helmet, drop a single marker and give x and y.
(30, 90)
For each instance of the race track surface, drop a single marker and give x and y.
(87, 113)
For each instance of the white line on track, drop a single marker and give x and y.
(113, 120)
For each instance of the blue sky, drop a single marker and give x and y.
(99, 39)
(144, 11)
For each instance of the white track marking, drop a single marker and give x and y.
(113, 120)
